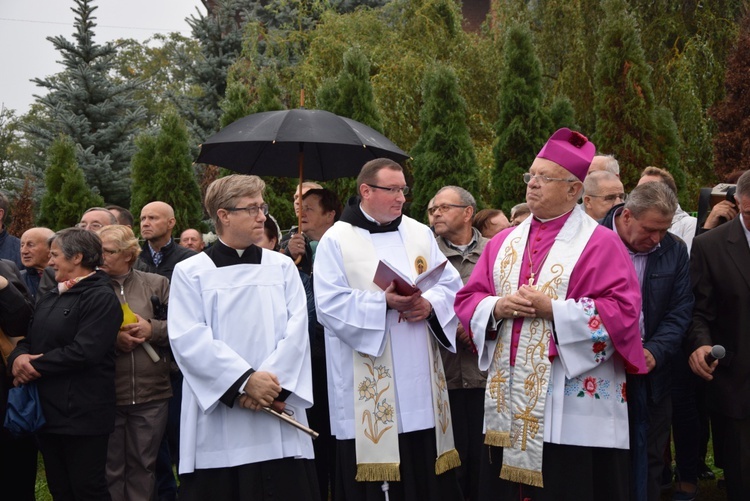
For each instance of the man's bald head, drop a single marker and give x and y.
(162, 207)
(35, 247)
(157, 222)
(606, 163)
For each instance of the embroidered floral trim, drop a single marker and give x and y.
(599, 335)
(443, 406)
(372, 388)
(588, 386)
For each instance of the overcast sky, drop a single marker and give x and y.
(25, 52)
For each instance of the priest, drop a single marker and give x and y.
(238, 329)
(388, 396)
(553, 308)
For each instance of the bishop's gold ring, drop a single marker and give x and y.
(515, 313)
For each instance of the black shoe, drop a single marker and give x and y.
(704, 472)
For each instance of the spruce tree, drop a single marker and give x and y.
(163, 170)
(444, 154)
(67, 195)
(219, 34)
(84, 103)
(732, 140)
(524, 125)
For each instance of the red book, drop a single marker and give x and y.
(386, 274)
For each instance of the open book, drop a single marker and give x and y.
(386, 273)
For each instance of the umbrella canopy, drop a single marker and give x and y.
(283, 143)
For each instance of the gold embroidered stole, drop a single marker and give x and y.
(515, 399)
(375, 416)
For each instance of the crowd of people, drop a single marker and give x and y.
(550, 354)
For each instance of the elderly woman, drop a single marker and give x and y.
(141, 368)
(70, 352)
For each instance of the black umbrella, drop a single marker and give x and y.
(313, 144)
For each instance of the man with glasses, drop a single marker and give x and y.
(453, 212)
(96, 218)
(661, 264)
(389, 403)
(601, 191)
(238, 330)
(552, 308)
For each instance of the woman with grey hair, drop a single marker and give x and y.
(69, 353)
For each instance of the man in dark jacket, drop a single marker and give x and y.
(17, 454)
(160, 253)
(661, 263)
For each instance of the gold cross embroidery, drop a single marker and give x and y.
(496, 389)
(530, 425)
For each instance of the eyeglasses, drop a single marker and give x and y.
(612, 198)
(544, 179)
(444, 207)
(252, 210)
(112, 252)
(90, 226)
(393, 191)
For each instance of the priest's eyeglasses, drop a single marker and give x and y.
(444, 208)
(610, 199)
(541, 179)
(393, 191)
(252, 210)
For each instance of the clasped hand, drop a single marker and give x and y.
(261, 390)
(23, 371)
(413, 308)
(131, 335)
(527, 301)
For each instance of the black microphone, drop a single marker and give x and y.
(717, 353)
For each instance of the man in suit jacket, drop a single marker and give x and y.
(720, 273)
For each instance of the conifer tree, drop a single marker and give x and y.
(524, 125)
(67, 195)
(693, 124)
(242, 100)
(732, 140)
(628, 121)
(350, 95)
(219, 34)
(163, 170)
(84, 103)
(444, 154)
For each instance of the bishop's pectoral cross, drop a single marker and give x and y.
(531, 279)
(530, 425)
